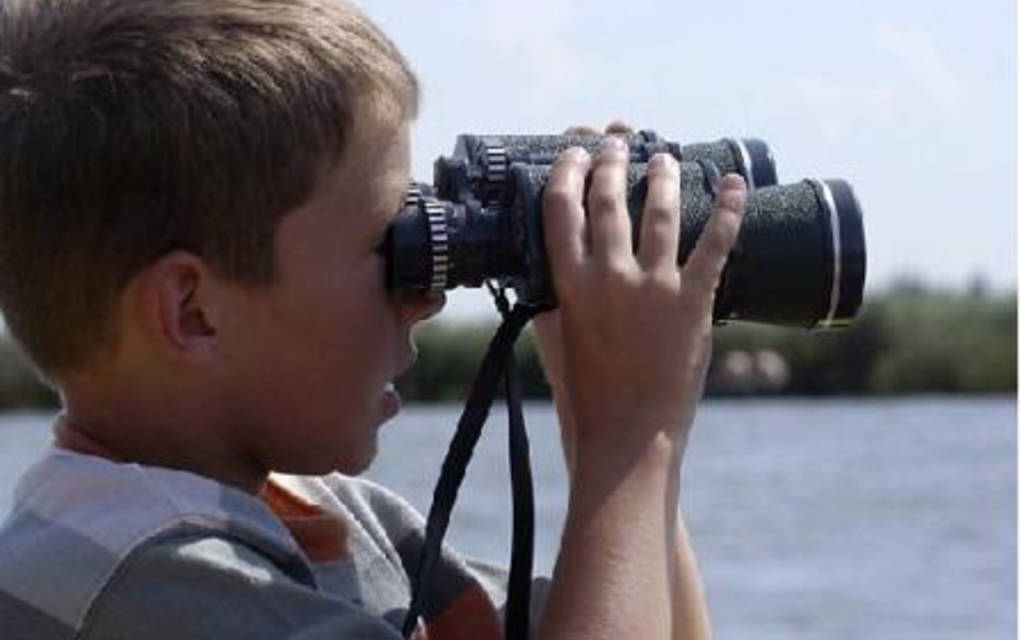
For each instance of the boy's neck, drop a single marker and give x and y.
(83, 437)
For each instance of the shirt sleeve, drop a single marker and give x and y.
(195, 586)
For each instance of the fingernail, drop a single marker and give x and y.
(614, 143)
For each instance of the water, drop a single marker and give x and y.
(889, 519)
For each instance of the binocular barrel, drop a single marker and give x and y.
(799, 259)
(480, 164)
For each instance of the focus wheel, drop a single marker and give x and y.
(440, 241)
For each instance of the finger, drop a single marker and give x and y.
(608, 221)
(563, 211)
(620, 127)
(581, 131)
(704, 267)
(660, 220)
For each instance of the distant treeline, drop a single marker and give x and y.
(909, 340)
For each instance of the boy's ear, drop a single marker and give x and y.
(179, 304)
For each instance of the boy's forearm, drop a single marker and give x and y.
(612, 574)
(690, 612)
(690, 619)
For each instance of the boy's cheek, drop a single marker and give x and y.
(416, 307)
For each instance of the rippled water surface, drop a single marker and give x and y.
(884, 520)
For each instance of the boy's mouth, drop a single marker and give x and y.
(390, 401)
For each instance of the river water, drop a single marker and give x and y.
(847, 518)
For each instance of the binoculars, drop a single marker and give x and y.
(799, 259)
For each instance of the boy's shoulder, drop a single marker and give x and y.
(77, 520)
(83, 527)
(95, 548)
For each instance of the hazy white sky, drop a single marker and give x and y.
(913, 102)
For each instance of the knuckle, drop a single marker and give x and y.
(616, 273)
(698, 294)
(571, 160)
(732, 198)
(728, 230)
(664, 280)
(661, 214)
(659, 230)
(602, 201)
(558, 198)
(713, 246)
(717, 240)
(657, 236)
(613, 156)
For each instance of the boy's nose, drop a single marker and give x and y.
(417, 306)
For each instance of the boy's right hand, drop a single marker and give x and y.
(636, 329)
(635, 333)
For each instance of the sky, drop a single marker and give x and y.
(914, 103)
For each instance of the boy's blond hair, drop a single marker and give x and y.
(131, 128)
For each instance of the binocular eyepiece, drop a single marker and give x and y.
(799, 259)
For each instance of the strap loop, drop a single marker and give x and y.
(498, 363)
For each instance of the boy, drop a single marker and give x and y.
(192, 198)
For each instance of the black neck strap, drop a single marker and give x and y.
(498, 364)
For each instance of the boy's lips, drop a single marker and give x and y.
(390, 401)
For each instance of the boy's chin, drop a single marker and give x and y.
(360, 462)
(356, 461)
(350, 458)
(351, 452)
